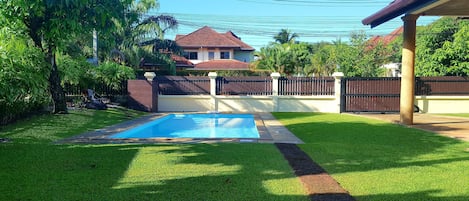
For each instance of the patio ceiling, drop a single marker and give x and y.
(459, 8)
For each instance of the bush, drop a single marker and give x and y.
(23, 75)
(112, 74)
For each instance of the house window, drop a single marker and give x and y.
(190, 55)
(224, 55)
(211, 55)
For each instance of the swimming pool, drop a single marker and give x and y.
(195, 126)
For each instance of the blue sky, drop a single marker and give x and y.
(257, 21)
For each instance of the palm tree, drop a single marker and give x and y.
(140, 39)
(285, 36)
(275, 58)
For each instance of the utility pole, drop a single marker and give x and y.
(95, 46)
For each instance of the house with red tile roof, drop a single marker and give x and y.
(385, 40)
(391, 69)
(207, 49)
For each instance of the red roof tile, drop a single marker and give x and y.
(207, 37)
(230, 35)
(222, 64)
(181, 61)
(385, 39)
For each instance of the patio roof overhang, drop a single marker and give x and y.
(459, 8)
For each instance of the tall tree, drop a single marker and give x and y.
(140, 38)
(442, 48)
(50, 24)
(285, 36)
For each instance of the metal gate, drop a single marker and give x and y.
(370, 94)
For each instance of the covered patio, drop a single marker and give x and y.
(411, 10)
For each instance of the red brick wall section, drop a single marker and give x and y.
(140, 95)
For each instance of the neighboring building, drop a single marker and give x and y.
(207, 49)
(392, 69)
(386, 39)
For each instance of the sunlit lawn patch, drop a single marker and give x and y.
(376, 160)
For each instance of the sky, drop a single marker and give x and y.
(257, 21)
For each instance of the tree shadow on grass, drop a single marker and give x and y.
(213, 172)
(61, 172)
(145, 172)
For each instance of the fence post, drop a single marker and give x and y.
(275, 76)
(337, 89)
(213, 90)
(154, 90)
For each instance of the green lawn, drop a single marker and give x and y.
(32, 167)
(375, 160)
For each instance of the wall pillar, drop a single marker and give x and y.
(213, 90)
(154, 90)
(337, 89)
(275, 76)
(143, 94)
(408, 75)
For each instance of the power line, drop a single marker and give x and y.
(321, 3)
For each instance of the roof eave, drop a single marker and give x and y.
(394, 10)
(207, 46)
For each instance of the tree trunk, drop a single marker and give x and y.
(56, 90)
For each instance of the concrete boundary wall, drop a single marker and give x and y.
(442, 104)
(205, 103)
(143, 96)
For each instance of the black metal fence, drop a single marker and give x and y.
(101, 89)
(183, 85)
(306, 86)
(254, 85)
(383, 94)
(370, 94)
(443, 86)
(245, 86)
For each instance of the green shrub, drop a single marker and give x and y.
(112, 74)
(23, 75)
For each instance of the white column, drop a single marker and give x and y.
(337, 89)
(213, 90)
(275, 76)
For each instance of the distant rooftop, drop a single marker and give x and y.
(209, 38)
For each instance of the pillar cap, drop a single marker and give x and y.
(338, 74)
(212, 74)
(275, 75)
(149, 75)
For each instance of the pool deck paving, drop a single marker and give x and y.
(449, 126)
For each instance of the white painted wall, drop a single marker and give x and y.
(443, 104)
(327, 104)
(204, 103)
(202, 54)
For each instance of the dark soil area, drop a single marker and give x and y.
(319, 185)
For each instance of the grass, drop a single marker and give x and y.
(375, 160)
(34, 168)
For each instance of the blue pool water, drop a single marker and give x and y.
(196, 126)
